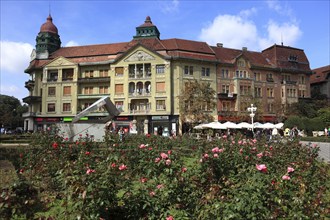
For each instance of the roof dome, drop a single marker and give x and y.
(49, 26)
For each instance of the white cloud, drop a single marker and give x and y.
(15, 56)
(71, 43)
(237, 31)
(280, 9)
(169, 7)
(288, 33)
(232, 31)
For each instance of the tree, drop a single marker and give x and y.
(11, 112)
(196, 102)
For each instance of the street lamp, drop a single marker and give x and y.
(252, 109)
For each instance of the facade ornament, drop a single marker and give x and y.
(139, 56)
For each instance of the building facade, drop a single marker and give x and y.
(145, 76)
(320, 82)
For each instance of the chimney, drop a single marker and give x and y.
(244, 48)
(219, 44)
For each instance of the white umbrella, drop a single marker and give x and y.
(244, 125)
(268, 125)
(216, 125)
(229, 124)
(279, 125)
(200, 126)
(257, 125)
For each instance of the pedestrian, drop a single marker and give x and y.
(326, 131)
(121, 133)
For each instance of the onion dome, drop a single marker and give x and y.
(49, 26)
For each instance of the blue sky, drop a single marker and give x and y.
(253, 24)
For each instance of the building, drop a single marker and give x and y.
(320, 82)
(146, 75)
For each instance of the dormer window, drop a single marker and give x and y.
(293, 58)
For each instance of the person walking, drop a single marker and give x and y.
(121, 133)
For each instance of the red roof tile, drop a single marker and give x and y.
(320, 75)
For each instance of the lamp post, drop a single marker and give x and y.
(252, 109)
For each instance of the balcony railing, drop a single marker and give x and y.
(228, 96)
(141, 111)
(139, 75)
(32, 99)
(94, 80)
(143, 92)
(289, 82)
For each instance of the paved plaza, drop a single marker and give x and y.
(324, 149)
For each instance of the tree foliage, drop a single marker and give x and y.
(196, 102)
(11, 111)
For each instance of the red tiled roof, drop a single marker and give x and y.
(279, 56)
(187, 45)
(320, 75)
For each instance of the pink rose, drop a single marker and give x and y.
(113, 165)
(169, 152)
(152, 193)
(215, 155)
(87, 153)
(89, 171)
(205, 156)
(259, 155)
(241, 150)
(168, 162)
(215, 150)
(163, 156)
(157, 160)
(160, 186)
(122, 167)
(143, 180)
(169, 218)
(290, 169)
(184, 169)
(286, 177)
(142, 146)
(261, 167)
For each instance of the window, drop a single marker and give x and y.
(286, 78)
(52, 76)
(51, 107)
(160, 87)
(270, 107)
(189, 70)
(257, 92)
(241, 74)
(205, 72)
(291, 92)
(225, 88)
(119, 88)
(119, 71)
(241, 63)
(88, 90)
(269, 77)
(245, 90)
(224, 73)
(67, 90)
(67, 74)
(160, 105)
(226, 106)
(89, 73)
(257, 77)
(302, 80)
(119, 104)
(270, 92)
(160, 69)
(103, 90)
(66, 107)
(51, 91)
(302, 93)
(104, 73)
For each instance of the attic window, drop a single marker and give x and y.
(293, 58)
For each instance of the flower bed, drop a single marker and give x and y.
(151, 177)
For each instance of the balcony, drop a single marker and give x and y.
(91, 96)
(94, 80)
(227, 96)
(32, 99)
(269, 79)
(138, 107)
(139, 75)
(141, 93)
(289, 82)
(29, 84)
(139, 111)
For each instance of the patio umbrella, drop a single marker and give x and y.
(268, 125)
(216, 125)
(232, 125)
(279, 125)
(244, 125)
(257, 125)
(200, 126)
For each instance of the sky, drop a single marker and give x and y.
(256, 25)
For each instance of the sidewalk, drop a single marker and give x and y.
(324, 152)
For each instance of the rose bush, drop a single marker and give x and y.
(152, 177)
